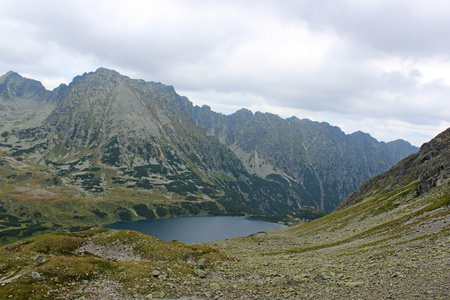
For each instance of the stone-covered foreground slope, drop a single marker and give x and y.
(107, 148)
(390, 242)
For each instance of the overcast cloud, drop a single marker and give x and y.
(378, 66)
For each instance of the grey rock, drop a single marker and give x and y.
(202, 273)
(35, 275)
(40, 259)
(201, 264)
(9, 280)
(319, 277)
(156, 273)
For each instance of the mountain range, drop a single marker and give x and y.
(388, 240)
(107, 147)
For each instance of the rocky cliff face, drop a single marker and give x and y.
(132, 149)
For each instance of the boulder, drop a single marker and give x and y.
(201, 264)
(35, 275)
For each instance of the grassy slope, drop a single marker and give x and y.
(390, 245)
(34, 200)
(383, 220)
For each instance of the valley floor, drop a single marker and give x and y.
(279, 265)
(362, 252)
(283, 264)
(412, 270)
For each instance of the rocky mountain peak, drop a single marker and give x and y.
(243, 113)
(435, 155)
(108, 72)
(13, 86)
(10, 75)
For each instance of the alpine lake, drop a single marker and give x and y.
(197, 229)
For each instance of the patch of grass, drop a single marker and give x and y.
(55, 243)
(74, 268)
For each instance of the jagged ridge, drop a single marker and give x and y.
(321, 164)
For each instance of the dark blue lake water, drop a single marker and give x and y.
(197, 229)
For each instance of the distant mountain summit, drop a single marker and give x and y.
(107, 147)
(13, 86)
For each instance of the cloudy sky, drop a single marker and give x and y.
(379, 66)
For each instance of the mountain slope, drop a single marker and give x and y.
(390, 242)
(322, 162)
(389, 239)
(118, 146)
(428, 168)
(107, 147)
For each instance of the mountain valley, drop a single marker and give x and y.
(389, 240)
(107, 148)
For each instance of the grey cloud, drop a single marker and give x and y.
(404, 27)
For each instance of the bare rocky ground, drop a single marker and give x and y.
(414, 270)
